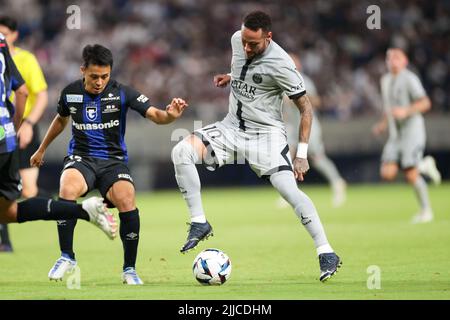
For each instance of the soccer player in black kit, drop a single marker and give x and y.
(97, 155)
(92, 209)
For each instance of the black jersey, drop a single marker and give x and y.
(99, 121)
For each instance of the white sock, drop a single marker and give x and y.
(284, 182)
(199, 218)
(326, 248)
(184, 158)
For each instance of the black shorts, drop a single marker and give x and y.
(30, 149)
(10, 183)
(98, 173)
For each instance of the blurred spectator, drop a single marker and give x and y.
(167, 48)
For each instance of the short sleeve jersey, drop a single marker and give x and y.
(99, 121)
(258, 85)
(32, 74)
(402, 90)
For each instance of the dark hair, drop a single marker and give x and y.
(8, 22)
(98, 55)
(258, 20)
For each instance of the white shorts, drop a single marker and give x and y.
(407, 146)
(266, 152)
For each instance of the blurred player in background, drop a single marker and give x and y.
(97, 154)
(261, 72)
(404, 101)
(316, 148)
(32, 209)
(28, 135)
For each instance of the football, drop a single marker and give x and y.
(212, 267)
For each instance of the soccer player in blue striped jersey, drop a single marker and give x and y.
(97, 154)
(32, 209)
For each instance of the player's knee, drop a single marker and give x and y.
(388, 173)
(29, 191)
(70, 192)
(411, 175)
(8, 211)
(125, 204)
(184, 153)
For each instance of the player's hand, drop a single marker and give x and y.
(400, 113)
(379, 128)
(25, 134)
(301, 166)
(176, 107)
(221, 80)
(37, 159)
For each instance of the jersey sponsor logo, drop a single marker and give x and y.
(110, 109)
(125, 176)
(74, 98)
(96, 126)
(142, 98)
(257, 78)
(4, 113)
(91, 112)
(9, 129)
(243, 89)
(73, 110)
(110, 97)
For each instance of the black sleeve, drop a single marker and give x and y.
(136, 101)
(12, 74)
(62, 108)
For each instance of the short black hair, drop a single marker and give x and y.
(98, 55)
(258, 20)
(9, 22)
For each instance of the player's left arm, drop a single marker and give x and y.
(141, 103)
(301, 165)
(421, 103)
(292, 83)
(173, 111)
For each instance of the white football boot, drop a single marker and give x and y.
(423, 217)
(129, 276)
(428, 167)
(100, 216)
(63, 265)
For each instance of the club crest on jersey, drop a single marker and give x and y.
(91, 112)
(257, 78)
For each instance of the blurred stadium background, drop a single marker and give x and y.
(173, 48)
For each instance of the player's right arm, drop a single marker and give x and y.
(57, 126)
(380, 126)
(301, 165)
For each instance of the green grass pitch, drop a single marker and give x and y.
(272, 255)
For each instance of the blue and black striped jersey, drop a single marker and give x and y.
(10, 79)
(99, 121)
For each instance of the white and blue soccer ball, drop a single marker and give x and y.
(212, 267)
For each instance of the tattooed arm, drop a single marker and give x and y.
(301, 165)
